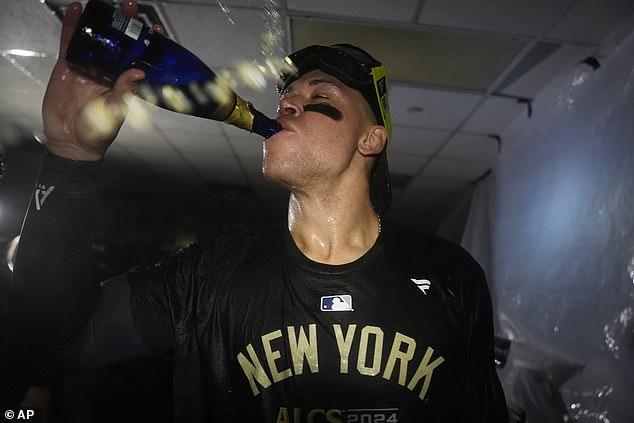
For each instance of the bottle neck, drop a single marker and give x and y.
(247, 117)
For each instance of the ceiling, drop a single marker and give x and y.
(461, 71)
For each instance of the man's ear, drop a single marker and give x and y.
(373, 141)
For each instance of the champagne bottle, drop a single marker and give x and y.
(106, 43)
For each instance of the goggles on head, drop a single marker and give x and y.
(352, 66)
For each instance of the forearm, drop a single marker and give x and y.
(54, 283)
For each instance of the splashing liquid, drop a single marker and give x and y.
(257, 74)
(227, 11)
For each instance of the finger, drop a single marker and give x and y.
(68, 27)
(130, 7)
(125, 84)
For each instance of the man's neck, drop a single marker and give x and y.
(332, 229)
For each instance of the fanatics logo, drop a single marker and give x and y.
(422, 284)
(336, 303)
(41, 194)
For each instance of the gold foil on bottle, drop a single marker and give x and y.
(241, 115)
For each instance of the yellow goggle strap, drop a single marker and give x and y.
(380, 85)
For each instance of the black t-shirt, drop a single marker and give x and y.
(261, 333)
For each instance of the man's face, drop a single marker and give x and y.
(323, 120)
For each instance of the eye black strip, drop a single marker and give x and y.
(324, 109)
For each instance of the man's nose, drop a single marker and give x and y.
(288, 107)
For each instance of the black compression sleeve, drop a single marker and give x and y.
(54, 284)
(55, 289)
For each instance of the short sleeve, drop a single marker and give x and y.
(163, 296)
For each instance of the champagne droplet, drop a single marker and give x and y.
(227, 11)
(100, 119)
(219, 91)
(138, 116)
(252, 75)
(176, 99)
(197, 92)
(147, 93)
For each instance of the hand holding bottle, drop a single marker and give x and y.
(82, 116)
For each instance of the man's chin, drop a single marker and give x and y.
(276, 178)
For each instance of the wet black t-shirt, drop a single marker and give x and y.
(260, 333)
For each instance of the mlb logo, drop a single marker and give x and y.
(336, 303)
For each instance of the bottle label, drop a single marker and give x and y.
(133, 29)
(129, 26)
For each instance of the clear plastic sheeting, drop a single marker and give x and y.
(562, 244)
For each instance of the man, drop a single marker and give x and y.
(334, 317)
